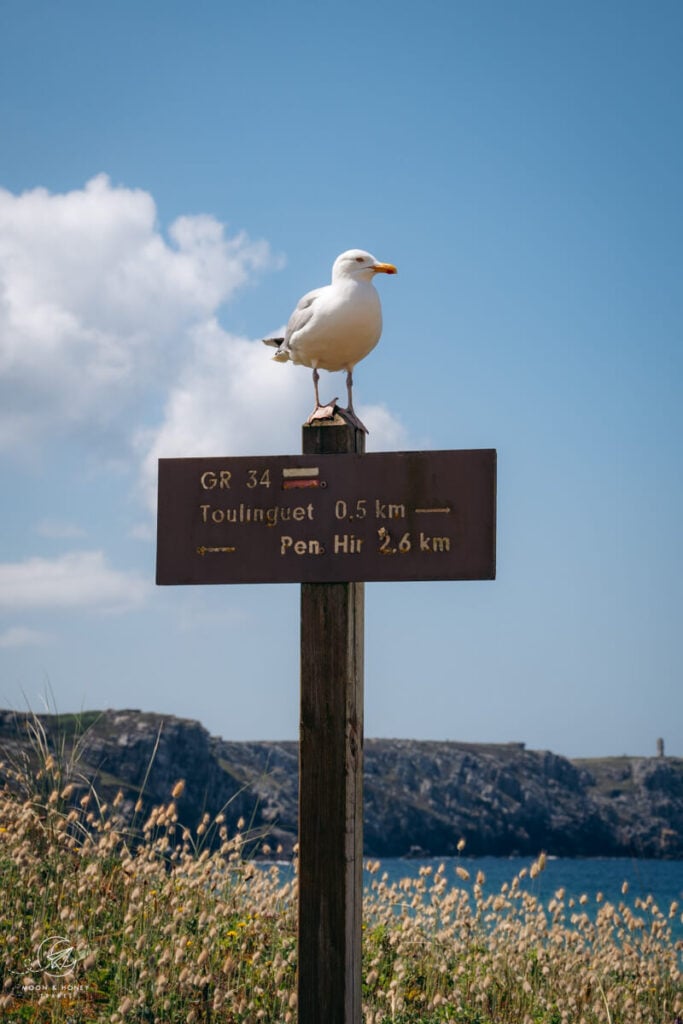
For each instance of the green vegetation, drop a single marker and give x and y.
(152, 923)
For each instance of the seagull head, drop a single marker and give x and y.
(359, 265)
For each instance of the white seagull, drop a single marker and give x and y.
(334, 327)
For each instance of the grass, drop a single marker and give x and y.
(162, 925)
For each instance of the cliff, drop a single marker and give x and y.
(421, 798)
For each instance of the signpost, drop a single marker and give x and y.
(330, 519)
(318, 518)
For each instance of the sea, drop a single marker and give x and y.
(578, 876)
(663, 879)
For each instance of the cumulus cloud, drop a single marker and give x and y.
(108, 324)
(56, 529)
(232, 399)
(79, 579)
(95, 302)
(22, 636)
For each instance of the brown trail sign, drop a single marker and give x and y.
(316, 518)
(330, 519)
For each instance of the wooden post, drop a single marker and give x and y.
(331, 781)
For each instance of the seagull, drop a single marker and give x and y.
(334, 327)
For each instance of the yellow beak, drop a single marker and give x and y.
(385, 268)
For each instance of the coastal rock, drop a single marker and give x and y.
(420, 797)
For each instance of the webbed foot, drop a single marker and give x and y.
(323, 412)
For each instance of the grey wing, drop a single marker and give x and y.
(301, 315)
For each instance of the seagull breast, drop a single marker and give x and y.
(343, 325)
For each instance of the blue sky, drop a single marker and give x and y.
(175, 176)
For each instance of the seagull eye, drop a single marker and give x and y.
(360, 259)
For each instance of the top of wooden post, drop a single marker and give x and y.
(332, 437)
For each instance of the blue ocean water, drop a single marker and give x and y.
(591, 877)
(578, 876)
(661, 879)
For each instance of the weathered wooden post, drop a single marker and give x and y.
(330, 519)
(331, 781)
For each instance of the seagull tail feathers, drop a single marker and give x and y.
(282, 354)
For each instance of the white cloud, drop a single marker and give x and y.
(22, 636)
(79, 579)
(232, 398)
(95, 303)
(386, 433)
(108, 325)
(56, 529)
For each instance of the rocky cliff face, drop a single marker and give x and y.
(421, 798)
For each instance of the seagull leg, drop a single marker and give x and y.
(349, 413)
(321, 412)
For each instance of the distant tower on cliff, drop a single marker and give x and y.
(660, 747)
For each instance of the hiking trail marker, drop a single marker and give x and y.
(330, 519)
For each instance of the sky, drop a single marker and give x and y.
(174, 176)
